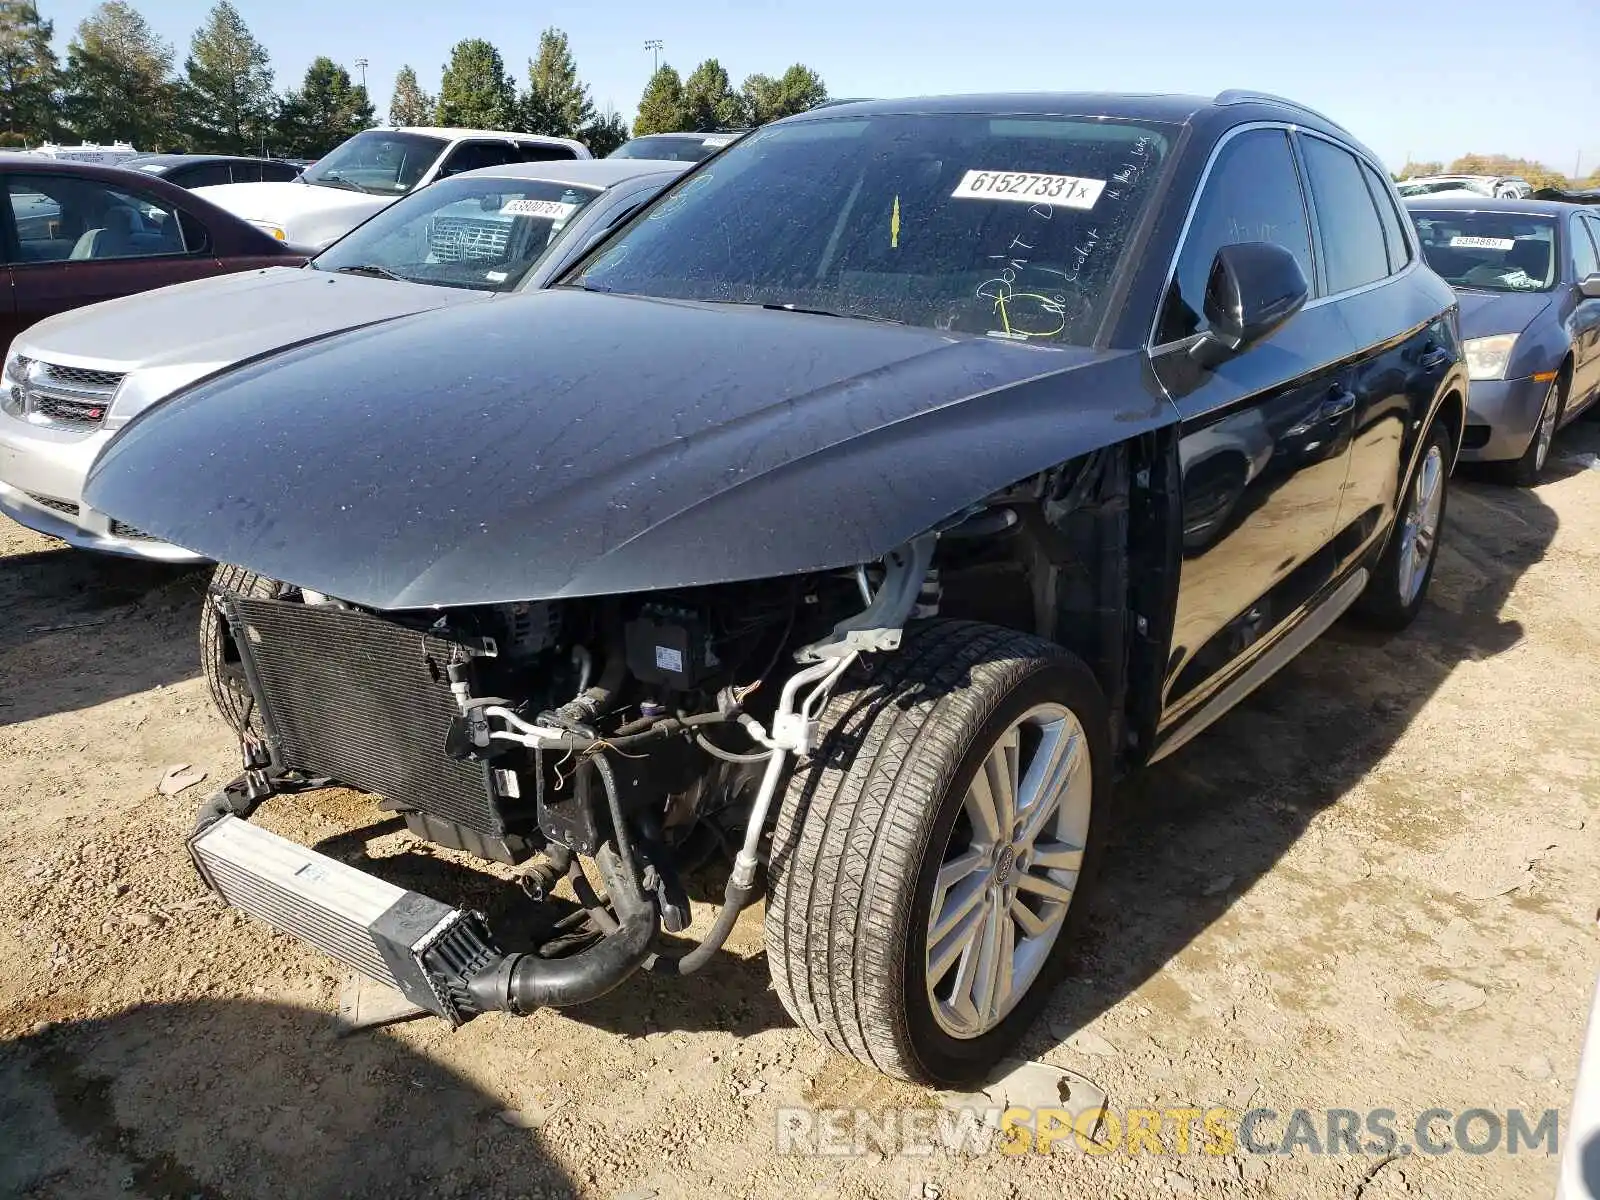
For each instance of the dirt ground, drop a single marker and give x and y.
(1374, 886)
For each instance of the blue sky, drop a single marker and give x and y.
(1433, 79)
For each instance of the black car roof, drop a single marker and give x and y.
(183, 160)
(1492, 204)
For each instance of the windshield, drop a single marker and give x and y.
(1007, 226)
(466, 232)
(383, 162)
(674, 149)
(1493, 251)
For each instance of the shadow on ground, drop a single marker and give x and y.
(246, 1100)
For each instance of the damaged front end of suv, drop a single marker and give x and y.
(816, 557)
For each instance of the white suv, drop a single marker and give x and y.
(370, 172)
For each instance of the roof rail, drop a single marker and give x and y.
(1246, 96)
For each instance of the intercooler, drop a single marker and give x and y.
(363, 701)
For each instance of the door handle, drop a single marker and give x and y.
(1339, 402)
(1432, 359)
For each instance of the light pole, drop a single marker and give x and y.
(654, 46)
(361, 65)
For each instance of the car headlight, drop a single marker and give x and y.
(16, 374)
(1487, 357)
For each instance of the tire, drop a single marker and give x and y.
(218, 659)
(865, 826)
(1527, 470)
(1399, 585)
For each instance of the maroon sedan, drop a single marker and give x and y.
(74, 233)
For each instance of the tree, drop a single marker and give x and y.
(797, 90)
(557, 102)
(326, 110)
(709, 101)
(1412, 170)
(118, 82)
(604, 133)
(228, 101)
(29, 71)
(661, 108)
(410, 105)
(476, 91)
(1535, 173)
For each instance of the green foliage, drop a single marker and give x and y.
(661, 108)
(476, 92)
(118, 82)
(1535, 173)
(709, 101)
(228, 104)
(326, 110)
(29, 72)
(604, 133)
(1413, 169)
(767, 99)
(410, 105)
(557, 103)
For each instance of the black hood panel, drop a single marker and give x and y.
(565, 443)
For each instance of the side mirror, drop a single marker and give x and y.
(1253, 288)
(1589, 287)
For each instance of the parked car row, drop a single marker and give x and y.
(865, 497)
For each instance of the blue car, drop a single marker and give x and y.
(1528, 276)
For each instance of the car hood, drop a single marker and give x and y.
(564, 443)
(1484, 314)
(165, 339)
(276, 202)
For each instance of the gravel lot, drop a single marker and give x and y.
(1372, 887)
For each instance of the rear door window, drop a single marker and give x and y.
(1354, 253)
(206, 174)
(1252, 194)
(278, 172)
(1393, 232)
(543, 152)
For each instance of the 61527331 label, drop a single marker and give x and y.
(1025, 187)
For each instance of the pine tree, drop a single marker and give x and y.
(476, 92)
(557, 103)
(228, 101)
(604, 133)
(410, 105)
(661, 108)
(29, 72)
(118, 82)
(326, 110)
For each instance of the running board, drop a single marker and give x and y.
(422, 948)
(1268, 665)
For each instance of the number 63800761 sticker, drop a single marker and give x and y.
(1067, 191)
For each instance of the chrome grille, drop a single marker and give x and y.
(82, 376)
(77, 397)
(60, 506)
(463, 239)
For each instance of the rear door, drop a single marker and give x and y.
(1265, 443)
(96, 242)
(1399, 352)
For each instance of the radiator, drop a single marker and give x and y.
(363, 701)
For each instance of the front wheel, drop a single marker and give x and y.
(1527, 470)
(1399, 583)
(927, 863)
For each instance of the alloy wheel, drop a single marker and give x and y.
(1009, 872)
(1421, 530)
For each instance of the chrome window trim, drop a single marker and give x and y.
(1291, 130)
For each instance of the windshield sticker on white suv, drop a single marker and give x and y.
(1481, 243)
(555, 210)
(1068, 191)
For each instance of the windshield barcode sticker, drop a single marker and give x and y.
(1068, 191)
(554, 210)
(1482, 243)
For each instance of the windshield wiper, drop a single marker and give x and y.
(339, 182)
(814, 312)
(373, 270)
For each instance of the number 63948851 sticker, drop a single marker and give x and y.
(1066, 191)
